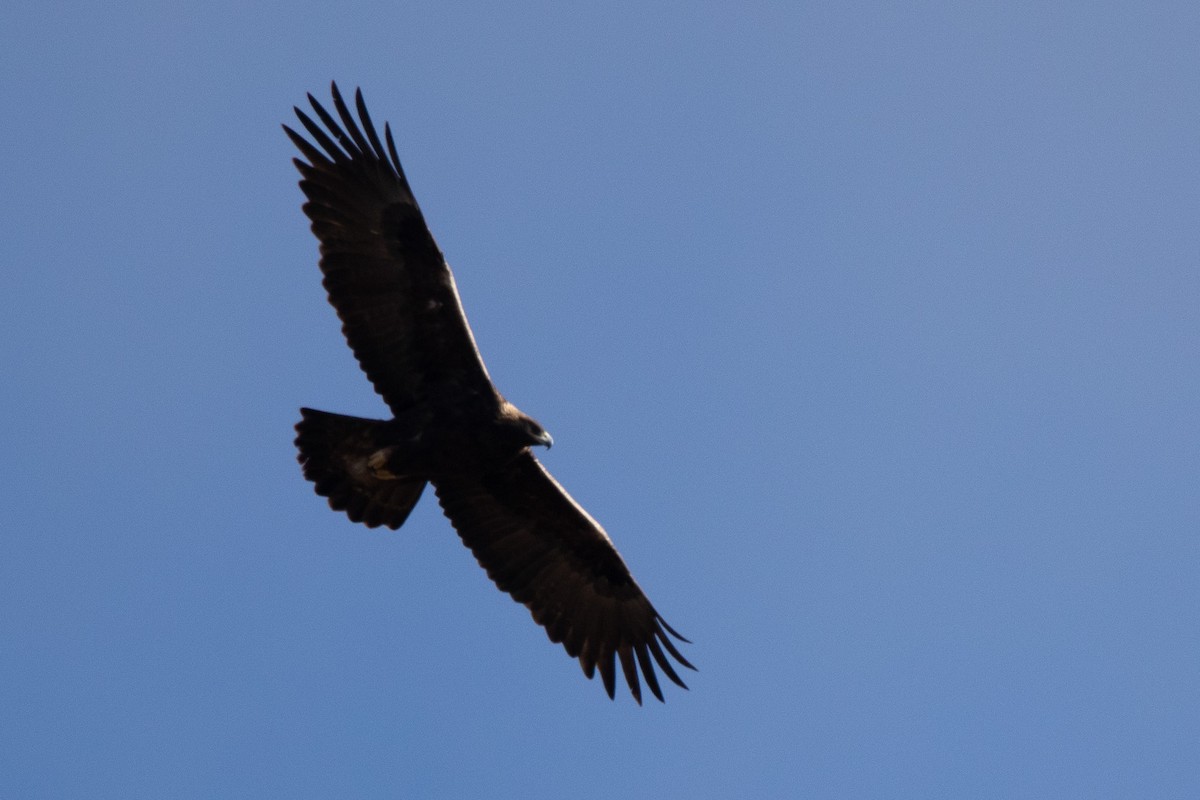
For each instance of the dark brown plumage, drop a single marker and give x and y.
(402, 317)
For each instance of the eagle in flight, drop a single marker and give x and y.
(402, 317)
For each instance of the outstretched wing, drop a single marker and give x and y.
(385, 276)
(538, 545)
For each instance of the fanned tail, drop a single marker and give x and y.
(342, 456)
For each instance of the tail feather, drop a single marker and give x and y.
(335, 453)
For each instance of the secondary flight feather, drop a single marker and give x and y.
(401, 315)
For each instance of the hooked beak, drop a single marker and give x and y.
(546, 439)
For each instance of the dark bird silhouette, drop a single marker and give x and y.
(402, 317)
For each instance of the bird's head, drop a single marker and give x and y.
(525, 429)
(545, 439)
(538, 436)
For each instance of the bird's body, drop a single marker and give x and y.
(451, 428)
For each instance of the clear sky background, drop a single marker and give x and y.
(870, 331)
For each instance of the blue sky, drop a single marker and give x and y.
(869, 331)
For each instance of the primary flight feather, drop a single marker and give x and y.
(451, 428)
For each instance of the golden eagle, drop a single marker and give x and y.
(402, 317)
